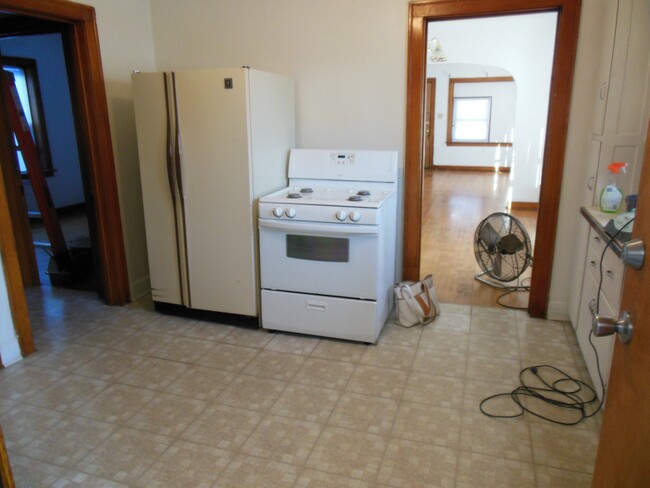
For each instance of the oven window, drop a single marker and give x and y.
(315, 248)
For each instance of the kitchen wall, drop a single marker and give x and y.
(348, 58)
(65, 185)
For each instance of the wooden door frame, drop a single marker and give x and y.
(420, 13)
(96, 154)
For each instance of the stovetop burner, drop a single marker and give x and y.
(363, 193)
(294, 195)
(306, 190)
(355, 198)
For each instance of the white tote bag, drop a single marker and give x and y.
(416, 302)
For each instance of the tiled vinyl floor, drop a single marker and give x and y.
(128, 397)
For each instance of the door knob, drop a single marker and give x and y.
(604, 326)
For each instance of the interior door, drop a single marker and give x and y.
(429, 123)
(624, 451)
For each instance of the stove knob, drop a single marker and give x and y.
(277, 211)
(341, 215)
(290, 212)
(355, 216)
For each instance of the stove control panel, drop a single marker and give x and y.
(320, 213)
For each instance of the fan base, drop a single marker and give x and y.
(499, 284)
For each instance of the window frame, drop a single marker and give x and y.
(451, 105)
(41, 140)
(454, 117)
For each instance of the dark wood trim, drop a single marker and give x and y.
(450, 108)
(485, 169)
(558, 118)
(5, 467)
(431, 116)
(78, 24)
(524, 206)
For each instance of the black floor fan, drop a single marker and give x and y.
(503, 251)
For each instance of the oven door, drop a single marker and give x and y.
(322, 259)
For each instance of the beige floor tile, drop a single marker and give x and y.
(67, 358)
(24, 423)
(293, 343)
(442, 363)
(207, 331)
(153, 374)
(559, 478)
(400, 336)
(434, 390)
(69, 441)
(557, 446)
(477, 391)
(337, 350)
(381, 382)
(6, 405)
(105, 336)
(428, 424)
(68, 393)
(540, 330)
(109, 365)
(260, 473)
(143, 342)
(506, 438)
(455, 320)
(125, 455)
(417, 465)
(184, 350)
(251, 392)
(444, 340)
(222, 426)
(116, 403)
(496, 370)
(310, 478)
(244, 336)
(227, 357)
(169, 324)
(555, 353)
(283, 440)
(493, 321)
(20, 382)
(201, 383)
(493, 472)
(324, 373)
(186, 464)
(348, 453)
(389, 356)
(275, 365)
(167, 414)
(364, 413)
(494, 346)
(304, 402)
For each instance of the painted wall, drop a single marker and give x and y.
(65, 185)
(523, 46)
(503, 113)
(349, 61)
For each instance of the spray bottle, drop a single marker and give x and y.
(611, 197)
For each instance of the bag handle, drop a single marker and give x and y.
(417, 304)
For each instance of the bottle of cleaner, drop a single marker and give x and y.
(611, 197)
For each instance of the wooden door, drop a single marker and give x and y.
(429, 122)
(624, 448)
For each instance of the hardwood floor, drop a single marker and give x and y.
(454, 203)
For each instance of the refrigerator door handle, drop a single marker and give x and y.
(177, 145)
(170, 145)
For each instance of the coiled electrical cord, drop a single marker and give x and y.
(564, 392)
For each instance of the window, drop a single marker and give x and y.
(471, 119)
(26, 81)
(481, 111)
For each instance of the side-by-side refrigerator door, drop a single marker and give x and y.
(215, 163)
(154, 118)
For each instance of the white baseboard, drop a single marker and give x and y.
(139, 288)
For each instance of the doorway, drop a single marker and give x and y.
(79, 31)
(555, 138)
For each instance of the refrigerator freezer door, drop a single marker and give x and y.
(151, 118)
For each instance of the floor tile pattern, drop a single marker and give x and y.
(127, 397)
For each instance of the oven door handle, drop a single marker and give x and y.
(330, 229)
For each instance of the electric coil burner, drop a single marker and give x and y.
(327, 245)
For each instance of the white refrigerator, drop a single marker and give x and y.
(210, 143)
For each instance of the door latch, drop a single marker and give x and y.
(604, 326)
(633, 253)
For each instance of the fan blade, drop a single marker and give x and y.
(496, 265)
(490, 237)
(510, 244)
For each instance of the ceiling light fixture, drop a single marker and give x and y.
(436, 54)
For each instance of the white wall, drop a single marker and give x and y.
(126, 43)
(522, 45)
